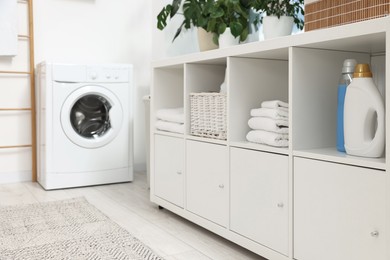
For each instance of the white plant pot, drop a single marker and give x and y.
(277, 27)
(227, 39)
(205, 40)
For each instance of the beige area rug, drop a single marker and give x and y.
(68, 229)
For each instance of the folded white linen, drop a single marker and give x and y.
(268, 138)
(274, 104)
(269, 124)
(170, 126)
(175, 115)
(275, 113)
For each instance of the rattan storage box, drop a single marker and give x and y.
(329, 13)
(208, 115)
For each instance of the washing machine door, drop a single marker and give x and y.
(91, 116)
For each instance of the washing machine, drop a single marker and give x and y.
(84, 124)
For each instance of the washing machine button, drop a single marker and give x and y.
(93, 75)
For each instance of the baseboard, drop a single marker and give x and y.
(12, 177)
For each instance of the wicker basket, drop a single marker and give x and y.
(208, 115)
(330, 13)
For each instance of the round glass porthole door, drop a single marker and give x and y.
(91, 116)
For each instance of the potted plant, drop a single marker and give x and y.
(229, 19)
(214, 16)
(195, 13)
(281, 16)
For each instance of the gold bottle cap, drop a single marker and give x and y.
(362, 71)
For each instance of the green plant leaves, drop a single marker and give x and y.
(211, 25)
(216, 12)
(216, 15)
(221, 28)
(236, 28)
(244, 34)
(293, 8)
(175, 7)
(163, 16)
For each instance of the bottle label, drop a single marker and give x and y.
(342, 89)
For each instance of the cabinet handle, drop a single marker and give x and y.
(280, 205)
(375, 233)
(221, 186)
(178, 173)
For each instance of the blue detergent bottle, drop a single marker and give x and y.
(345, 80)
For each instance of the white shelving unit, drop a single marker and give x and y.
(304, 202)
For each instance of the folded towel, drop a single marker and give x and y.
(274, 104)
(268, 138)
(170, 127)
(269, 124)
(275, 113)
(175, 115)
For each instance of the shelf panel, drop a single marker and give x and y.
(207, 140)
(365, 37)
(166, 133)
(366, 43)
(260, 147)
(332, 155)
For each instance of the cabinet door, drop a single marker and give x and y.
(169, 169)
(259, 197)
(207, 181)
(339, 211)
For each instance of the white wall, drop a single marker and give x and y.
(99, 31)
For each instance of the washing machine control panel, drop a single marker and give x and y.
(112, 74)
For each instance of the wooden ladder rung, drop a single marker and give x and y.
(14, 72)
(15, 109)
(15, 146)
(23, 36)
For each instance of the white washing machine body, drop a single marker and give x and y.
(85, 124)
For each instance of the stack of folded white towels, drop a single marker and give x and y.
(171, 120)
(269, 124)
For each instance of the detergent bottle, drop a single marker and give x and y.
(345, 80)
(364, 115)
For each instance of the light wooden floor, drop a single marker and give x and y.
(128, 204)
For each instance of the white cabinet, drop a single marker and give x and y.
(339, 211)
(306, 201)
(169, 169)
(208, 181)
(259, 197)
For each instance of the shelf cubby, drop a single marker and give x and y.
(250, 82)
(314, 80)
(169, 88)
(202, 77)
